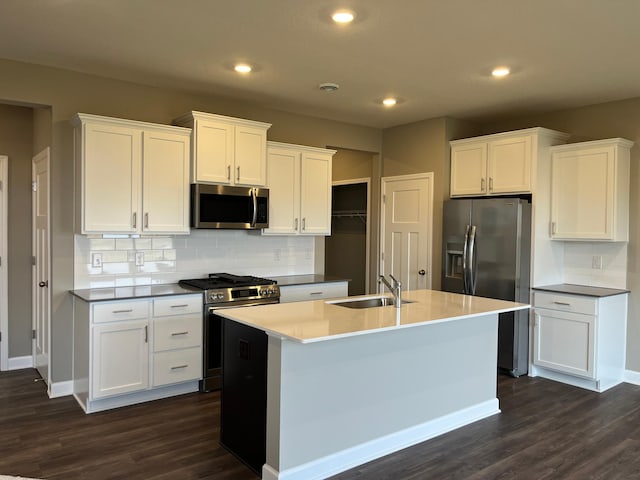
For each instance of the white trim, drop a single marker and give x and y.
(365, 452)
(631, 376)
(18, 363)
(61, 389)
(4, 264)
(116, 401)
(356, 181)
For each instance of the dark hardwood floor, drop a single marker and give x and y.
(547, 430)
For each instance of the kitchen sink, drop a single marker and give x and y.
(367, 302)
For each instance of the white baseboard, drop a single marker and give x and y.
(631, 376)
(61, 389)
(365, 452)
(18, 363)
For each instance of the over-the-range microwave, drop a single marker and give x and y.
(223, 206)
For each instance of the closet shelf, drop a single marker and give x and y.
(349, 213)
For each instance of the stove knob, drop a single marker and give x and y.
(271, 291)
(219, 296)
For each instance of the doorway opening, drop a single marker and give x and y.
(347, 252)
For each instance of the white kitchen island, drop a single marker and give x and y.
(346, 386)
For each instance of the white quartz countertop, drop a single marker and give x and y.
(320, 320)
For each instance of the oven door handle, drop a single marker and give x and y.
(213, 309)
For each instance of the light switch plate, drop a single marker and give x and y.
(139, 259)
(96, 260)
(596, 262)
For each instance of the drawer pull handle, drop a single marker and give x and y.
(179, 367)
(316, 293)
(123, 311)
(566, 304)
(180, 306)
(175, 334)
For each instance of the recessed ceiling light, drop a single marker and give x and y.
(242, 68)
(500, 71)
(328, 87)
(343, 16)
(389, 102)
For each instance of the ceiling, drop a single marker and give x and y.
(435, 56)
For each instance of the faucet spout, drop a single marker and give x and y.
(395, 289)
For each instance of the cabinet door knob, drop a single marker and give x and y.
(482, 181)
(238, 177)
(422, 272)
(43, 284)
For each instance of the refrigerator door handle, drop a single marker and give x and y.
(465, 261)
(472, 261)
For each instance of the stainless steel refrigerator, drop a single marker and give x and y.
(486, 252)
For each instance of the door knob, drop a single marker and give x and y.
(422, 272)
(43, 284)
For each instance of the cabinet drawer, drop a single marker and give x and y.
(177, 366)
(315, 291)
(177, 305)
(566, 303)
(117, 311)
(177, 332)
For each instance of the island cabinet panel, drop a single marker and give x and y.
(131, 177)
(590, 191)
(130, 351)
(226, 150)
(299, 182)
(579, 339)
(499, 164)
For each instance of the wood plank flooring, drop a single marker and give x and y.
(547, 430)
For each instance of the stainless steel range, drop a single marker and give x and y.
(223, 290)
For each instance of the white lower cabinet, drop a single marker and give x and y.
(131, 351)
(579, 339)
(120, 358)
(313, 291)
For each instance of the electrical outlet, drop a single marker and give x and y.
(596, 262)
(139, 259)
(276, 255)
(96, 260)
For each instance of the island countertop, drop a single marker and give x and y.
(319, 320)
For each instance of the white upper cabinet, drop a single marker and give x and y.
(299, 182)
(497, 164)
(131, 177)
(590, 190)
(226, 150)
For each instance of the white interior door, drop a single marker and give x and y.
(41, 270)
(406, 229)
(4, 265)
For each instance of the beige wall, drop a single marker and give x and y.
(16, 139)
(69, 92)
(614, 119)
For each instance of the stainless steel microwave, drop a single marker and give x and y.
(223, 206)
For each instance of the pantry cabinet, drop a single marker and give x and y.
(131, 177)
(299, 182)
(226, 150)
(498, 164)
(590, 190)
(134, 350)
(579, 339)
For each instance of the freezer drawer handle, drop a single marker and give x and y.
(178, 367)
(566, 304)
(175, 334)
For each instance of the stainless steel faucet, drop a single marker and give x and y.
(396, 289)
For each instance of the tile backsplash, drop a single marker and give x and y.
(167, 259)
(579, 265)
